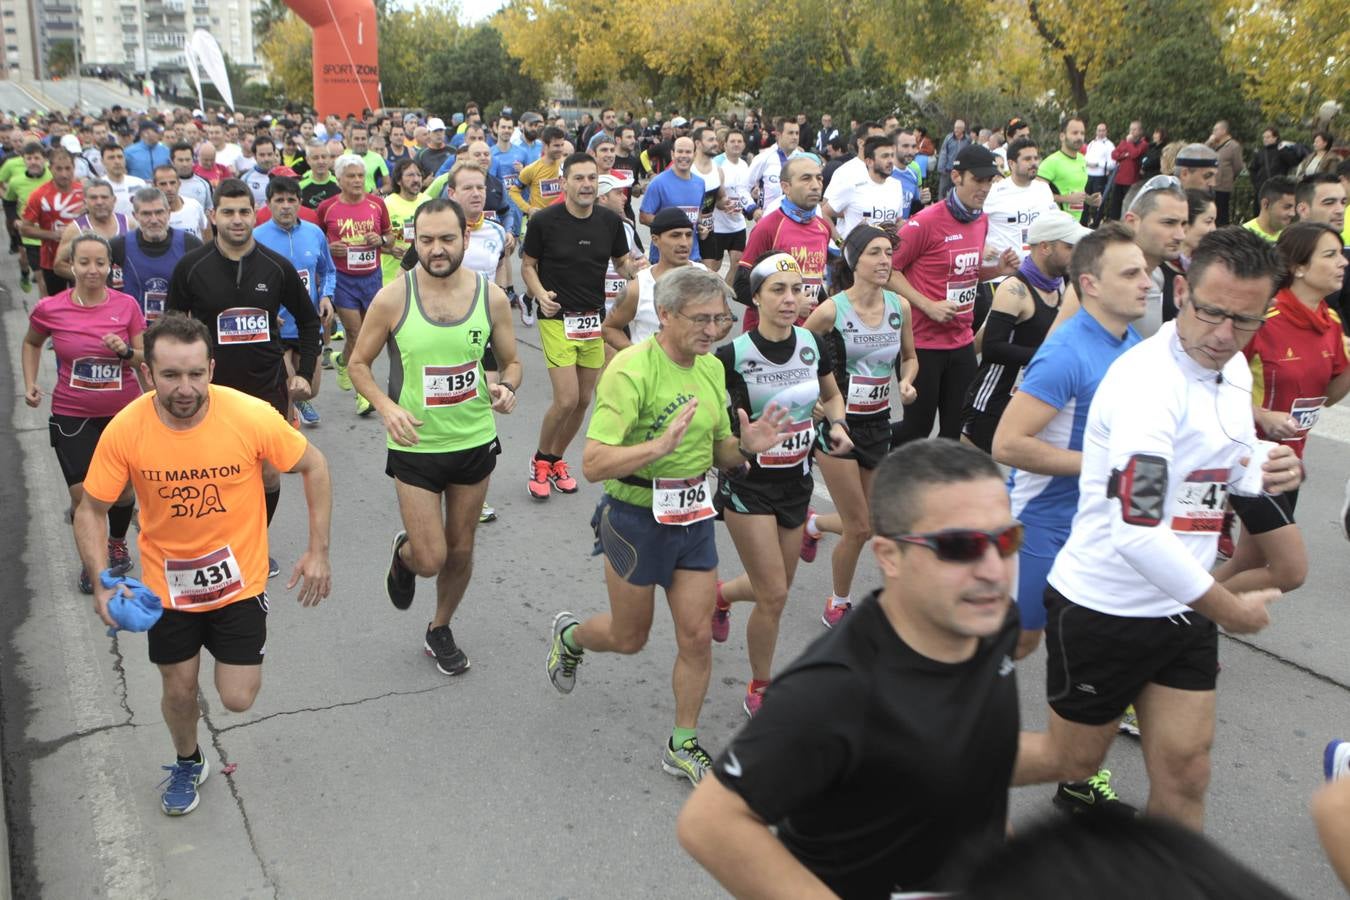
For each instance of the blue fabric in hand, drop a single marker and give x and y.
(138, 611)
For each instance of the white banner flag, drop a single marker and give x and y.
(202, 52)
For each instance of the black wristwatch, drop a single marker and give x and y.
(508, 385)
(128, 355)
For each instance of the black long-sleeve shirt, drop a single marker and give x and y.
(231, 298)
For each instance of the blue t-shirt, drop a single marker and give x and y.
(911, 181)
(1064, 374)
(669, 189)
(503, 164)
(306, 246)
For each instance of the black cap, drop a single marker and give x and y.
(669, 219)
(977, 160)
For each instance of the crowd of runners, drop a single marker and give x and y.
(1061, 399)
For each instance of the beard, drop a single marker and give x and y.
(176, 410)
(445, 266)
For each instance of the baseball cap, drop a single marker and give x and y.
(282, 172)
(457, 118)
(435, 124)
(977, 160)
(1197, 156)
(607, 183)
(1056, 225)
(70, 143)
(531, 117)
(670, 219)
(679, 122)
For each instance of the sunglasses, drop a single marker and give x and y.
(962, 545)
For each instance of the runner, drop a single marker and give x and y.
(238, 288)
(868, 335)
(1015, 202)
(377, 174)
(1131, 606)
(1065, 170)
(98, 217)
(874, 199)
(678, 188)
(439, 410)
(765, 503)
(124, 185)
(96, 335)
(318, 183)
(767, 167)
(265, 159)
(654, 522)
(205, 557)
(358, 229)
(191, 184)
(1331, 808)
(609, 194)
(794, 228)
(144, 258)
(401, 204)
(634, 317)
(884, 753)
(937, 268)
(306, 247)
(729, 226)
(52, 206)
(714, 195)
(541, 178)
(1024, 308)
(20, 184)
(568, 248)
(185, 214)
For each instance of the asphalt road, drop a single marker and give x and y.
(363, 772)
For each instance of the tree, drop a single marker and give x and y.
(409, 39)
(61, 58)
(289, 52)
(476, 67)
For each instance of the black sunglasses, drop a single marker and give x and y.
(963, 545)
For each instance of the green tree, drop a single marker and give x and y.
(476, 67)
(61, 58)
(409, 39)
(288, 51)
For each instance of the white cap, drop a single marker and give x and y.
(1056, 225)
(198, 114)
(606, 183)
(70, 143)
(435, 124)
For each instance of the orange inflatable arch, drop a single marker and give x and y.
(346, 54)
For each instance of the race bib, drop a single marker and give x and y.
(206, 579)
(408, 229)
(510, 181)
(304, 278)
(581, 326)
(868, 394)
(734, 206)
(1200, 501)
(117, 280)
(682, 501)
(550, 187)
(361, 258)
(1306, 411)
(243, 325)
(154, 304)
(613, 288)
(962, 294)
(96, 373)
(692, 212)
(449, 385)
(791, 450)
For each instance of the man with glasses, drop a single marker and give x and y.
(1131, 606)
(913, 690)
(660, 424)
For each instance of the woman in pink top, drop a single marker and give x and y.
(96, 332)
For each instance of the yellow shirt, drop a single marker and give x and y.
(1254, 226)
(543, 177)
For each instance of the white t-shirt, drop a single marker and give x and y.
(123, 190)
(229, 155)
(1098, 156)
(1011, 210)
(712, 180)
(864, 201)
(645, 321)
(1200, 425)
(736, 184)
(191, 218)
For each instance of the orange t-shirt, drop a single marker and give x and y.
(203, 519)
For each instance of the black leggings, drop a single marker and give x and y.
(943, 379)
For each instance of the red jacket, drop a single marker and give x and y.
(1127, 154)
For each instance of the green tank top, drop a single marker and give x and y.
(436, 373)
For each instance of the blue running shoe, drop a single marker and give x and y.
(1336, 760)
(308, 414)
(180, 792)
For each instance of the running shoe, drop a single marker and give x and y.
(560, 479)
(511, 297)
(688, 760)
(273, 567)
(1336, 760)
(308, 414)
(338, 334)
(834, 614)
(721, 619)
(487, 515)
(541, 471)
(1345, 512)
(562, 659)
(1093, 796)
(119, 557)
(363, 406)
(180, 786)
(753, 701)
(86, 586)
(26, 281)
(344, 380)
(440, 645)
(527, 316)
(401, 582)
(327, 358)
(1129, 723)
(809, 544)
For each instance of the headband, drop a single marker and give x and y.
(779, 262)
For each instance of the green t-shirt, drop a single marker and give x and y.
(1069, 176)
(374, 166)
(640, 394)
(9, 168)
(1254, 226)
(21, 185)
(400, 215)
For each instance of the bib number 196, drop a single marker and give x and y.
(681, 501)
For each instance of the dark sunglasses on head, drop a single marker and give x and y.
(963, 545)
